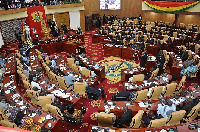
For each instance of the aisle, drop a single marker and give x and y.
(94, 50)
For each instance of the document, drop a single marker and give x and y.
(141, 104)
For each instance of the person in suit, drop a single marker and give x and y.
(149, 74)
(142, 46)
(151, 116)
(186, 105)
(123, 93)
(92, 92)
(32, 75)
(165, 108)
(144, 59)
(57, 104)
(185, 56)
(125, 119)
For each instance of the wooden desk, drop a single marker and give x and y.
(112, 51)
(183, 127)
(100, 72)
(134, 88)
(10, 68)
(135, 107)
(127, 73)
(45, 85)
(57, 125)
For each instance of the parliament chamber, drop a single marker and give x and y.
(73, 66)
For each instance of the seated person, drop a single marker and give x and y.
(32, 76)
(13, 110)
(186, 105)
(58, 104)
(144, 59)
(70, 80)
(36, 85)
(190, 69)
(149, 74)
(151, 116)
(165, 108)
(3, 103)
(123, 93)
(92, 92)
(125, 119)
(174, 79)
(185, 56)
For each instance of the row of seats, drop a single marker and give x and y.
(106, 120)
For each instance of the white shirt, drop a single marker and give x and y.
(164, 109)
(35, 84)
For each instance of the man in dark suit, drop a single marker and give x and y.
(149, 74)
(123, 93)
(57, 104)
(185, 56)
(187, 105)
(151, 116)
(125, 119)
(143, 59)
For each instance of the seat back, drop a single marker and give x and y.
(61, 82)
(86, 72)
(175, 117)
(194, 112)
(47, 60)
(30, 94)
(70, 61)
(8, 124)
(27, 85)
(105, 120)
(169, 89)
(136, 120)
(75, 68)
(155, 92)
(158, 122)
(141, 95)
(54, 110)
(79, 88)
(139, 77)
(154, 73)
(181, 84)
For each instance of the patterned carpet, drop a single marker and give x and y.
(114, 75)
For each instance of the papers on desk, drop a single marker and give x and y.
(20, 103)
(127, 84)
(141, 104)
(22, 107)
(165, 79)
(43, 82)
(7, 91)
(61, 94)
(180, 65)
(112, 107)
(125, 71)
(48, 117)
(32, 115)
(62, 68)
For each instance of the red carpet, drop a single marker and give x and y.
(94, 50)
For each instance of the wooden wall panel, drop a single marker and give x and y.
(129, 8)
(187, 18)
(62, 18)
(156, 16)
(82, 20)
(190, 19)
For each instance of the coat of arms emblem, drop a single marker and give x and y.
(37, 16)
